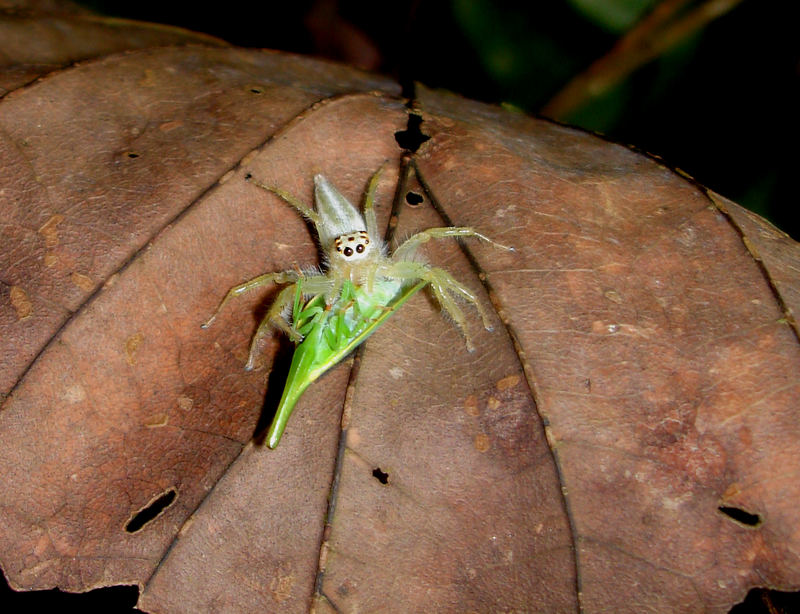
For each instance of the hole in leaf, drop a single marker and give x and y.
(413, 199)
(111, 599)
(379, 475)
(766, 601)
(741, 516)
(412, 137)
(132, 154)
(150, 511)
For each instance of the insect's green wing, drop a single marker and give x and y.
(332, 335)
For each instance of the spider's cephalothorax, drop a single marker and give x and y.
(331, 312)
(349, 240)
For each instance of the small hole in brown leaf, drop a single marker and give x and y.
(379, 475)
(131, 154)
(741, 516)
(411, 138)
(413, 199)
(150, 511)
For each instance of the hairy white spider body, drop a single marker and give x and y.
(328, 312)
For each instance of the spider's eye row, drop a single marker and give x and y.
(350, 244)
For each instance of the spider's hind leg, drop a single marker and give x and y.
(281, 277)
(445, 288)
(274, 317)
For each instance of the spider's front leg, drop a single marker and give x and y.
(293, 201)
(410, 245)
(445, 288)
(369, 209)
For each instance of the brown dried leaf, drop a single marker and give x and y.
(39, 36)
(640, 376)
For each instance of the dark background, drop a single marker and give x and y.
(720, 104)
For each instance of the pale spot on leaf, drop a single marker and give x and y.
(471, 405)
(170, 125)
(157, 420)
(353, 437)
(281, 585)
(507, 382)
(74, 394)
(84, 282)
(49, 230)
(21, 303)
(131, 347)
(482, 442)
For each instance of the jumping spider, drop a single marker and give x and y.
(329, 312)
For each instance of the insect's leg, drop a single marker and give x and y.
(369, 201)
(293, 201)
(413, 242)
(281, 277)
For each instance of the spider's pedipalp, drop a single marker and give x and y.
(317, 284)
(281, 308)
